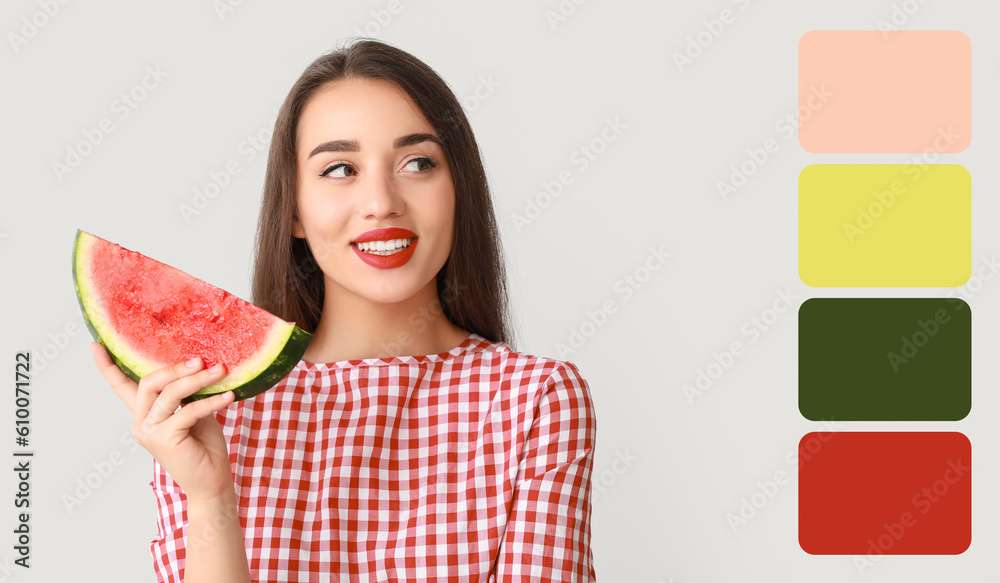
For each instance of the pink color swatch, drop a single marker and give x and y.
(871, 91)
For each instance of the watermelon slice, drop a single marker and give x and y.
(149, 315)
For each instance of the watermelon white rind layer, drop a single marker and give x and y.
(288, 351)
(280, 352)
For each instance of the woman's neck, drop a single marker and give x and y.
(352, 327)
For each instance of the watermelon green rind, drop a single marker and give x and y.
(290, 354)
(285, 345)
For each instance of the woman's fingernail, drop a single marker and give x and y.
(216, 368)
(194, 362)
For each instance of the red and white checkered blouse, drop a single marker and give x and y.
(468, 465)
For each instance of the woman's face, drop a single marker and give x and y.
(367, 159)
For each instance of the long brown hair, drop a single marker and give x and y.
(471, 285)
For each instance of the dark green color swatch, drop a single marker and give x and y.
(885, 359)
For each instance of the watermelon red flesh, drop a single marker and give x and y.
(148, 302)
(150, 315)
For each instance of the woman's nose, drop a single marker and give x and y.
(381, 198)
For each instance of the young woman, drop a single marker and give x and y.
(467, 462)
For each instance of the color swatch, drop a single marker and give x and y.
(893, 493)
(885, 359)
(885, 91)
(885, 225)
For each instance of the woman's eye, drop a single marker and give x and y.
(420, 164)
(335, 171)
(342, 170)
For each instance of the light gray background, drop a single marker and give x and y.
(662, 516)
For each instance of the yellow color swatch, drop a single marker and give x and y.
(885, 225)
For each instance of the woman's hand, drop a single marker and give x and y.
(189, 442)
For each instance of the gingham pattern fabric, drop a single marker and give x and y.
(469, 465)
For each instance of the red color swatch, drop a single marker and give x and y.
(892, 493)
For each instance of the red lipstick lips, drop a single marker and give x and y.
(396, 259)
(384, 235)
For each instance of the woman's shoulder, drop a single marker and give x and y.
(525, 359)
(554, 389)
(530, 369)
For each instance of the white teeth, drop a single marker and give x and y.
(385, 247)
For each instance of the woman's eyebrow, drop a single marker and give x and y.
(410, 139)
(354, 146)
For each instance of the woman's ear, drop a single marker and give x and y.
(297, 231)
